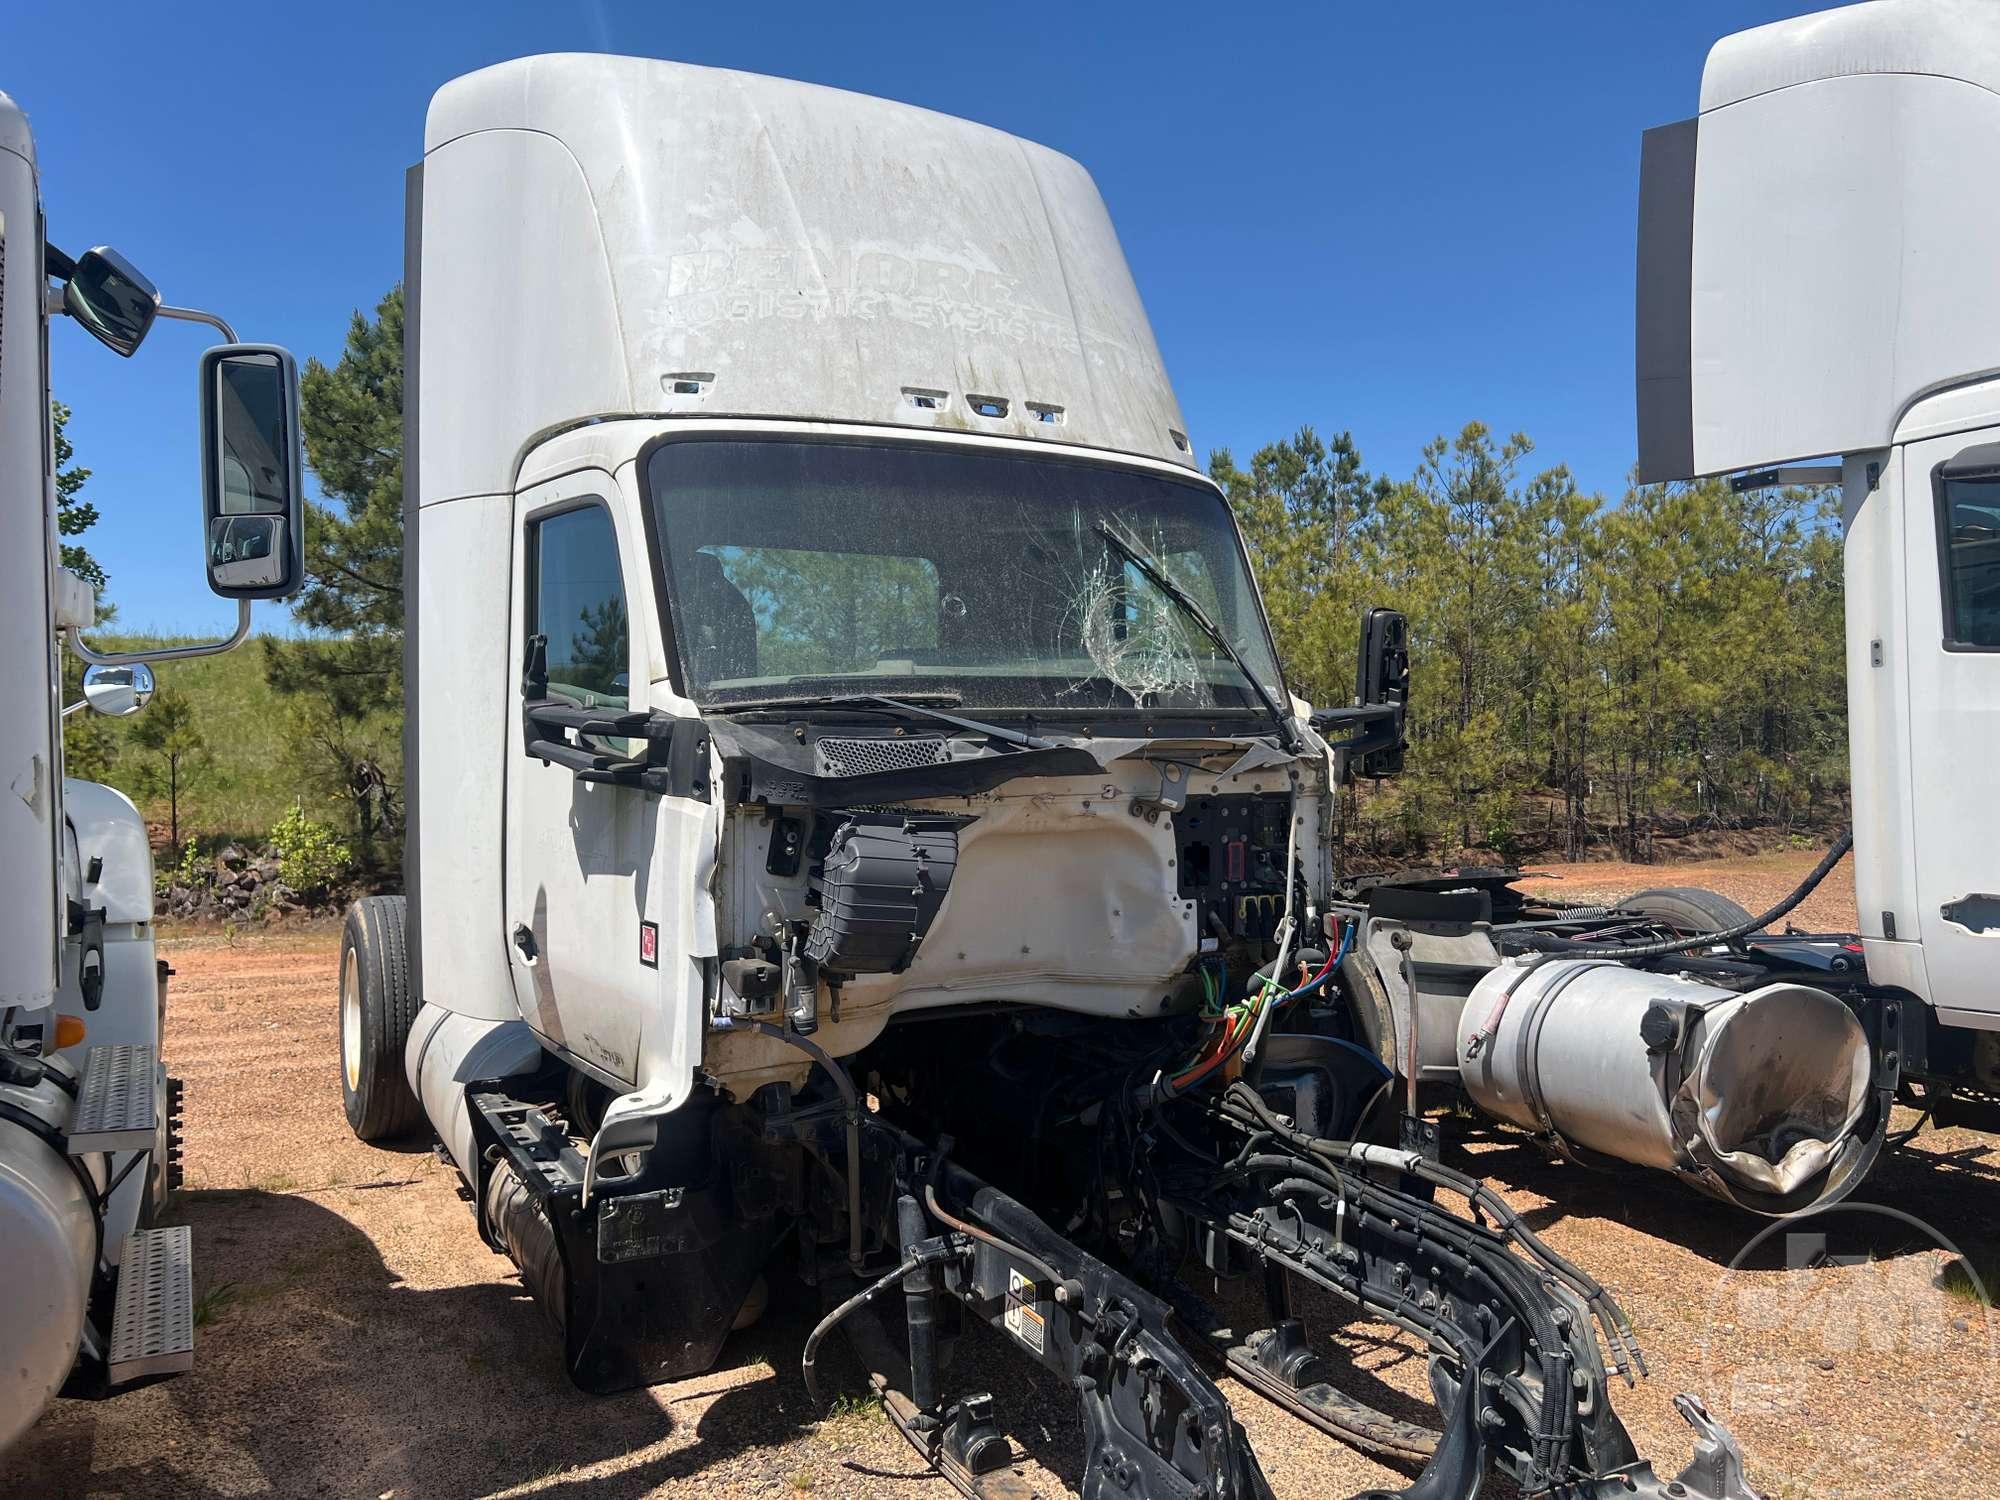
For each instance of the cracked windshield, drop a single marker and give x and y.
(805, 568)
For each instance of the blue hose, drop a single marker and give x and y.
(1340, 957)
(1359, 1051)
(1346, 945)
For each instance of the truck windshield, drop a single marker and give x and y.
(799, 567)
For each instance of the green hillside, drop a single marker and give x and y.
(245, 785)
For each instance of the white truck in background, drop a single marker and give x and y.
(1815, 278)
(857, 823)
(96, 1296)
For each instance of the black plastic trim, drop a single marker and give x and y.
(1662, 332)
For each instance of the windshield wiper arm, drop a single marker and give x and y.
(1155, 574)
(916, 710)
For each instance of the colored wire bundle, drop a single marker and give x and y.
(1242, 1020)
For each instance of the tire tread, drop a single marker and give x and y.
(375, 939)
(1691, 906)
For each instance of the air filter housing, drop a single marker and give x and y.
(882, 882)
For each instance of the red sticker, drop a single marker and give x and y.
(649, 944)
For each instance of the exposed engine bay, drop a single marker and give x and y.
(930, 1129)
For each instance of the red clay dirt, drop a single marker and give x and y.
(357, 1339)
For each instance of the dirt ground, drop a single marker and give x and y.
(355, 1338)
(1756, 881)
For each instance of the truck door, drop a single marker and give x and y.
(1951, 490)
(602, 956)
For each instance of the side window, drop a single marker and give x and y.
(576, 599)
(1968, 506)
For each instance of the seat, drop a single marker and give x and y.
(719, 622)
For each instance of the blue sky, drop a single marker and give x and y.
(1390, 219)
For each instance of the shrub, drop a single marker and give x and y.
(193, 869)
(311, 856)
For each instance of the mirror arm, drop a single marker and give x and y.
(76, 708)
(84, 652)
(196, 315)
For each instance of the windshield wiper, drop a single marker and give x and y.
(1154, 573)
(913, 706)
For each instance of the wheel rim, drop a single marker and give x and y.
(350, 1021)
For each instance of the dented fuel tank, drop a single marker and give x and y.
(1758, 1099)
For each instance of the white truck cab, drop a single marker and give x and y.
(799, 396)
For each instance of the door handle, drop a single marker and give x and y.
(524, 940)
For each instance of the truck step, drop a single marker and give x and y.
(152, 1328)
(116, 1107)
(1970, 1108)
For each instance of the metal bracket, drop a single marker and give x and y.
(82, 650)
(1716, 1470)
(1170, 798)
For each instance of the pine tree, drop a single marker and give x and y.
(74, 514)
(345, 678)
(352, 604)
(177, 758)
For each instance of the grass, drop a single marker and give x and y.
(246, 788)
(1958, 1280)
(210, 1304)
(854, 1405)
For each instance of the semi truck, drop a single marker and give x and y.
(100, 1296)
(858, 827)
(1811, 310)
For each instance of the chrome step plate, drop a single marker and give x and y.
(152, 1330)
(117, 1105)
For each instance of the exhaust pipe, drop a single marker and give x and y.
(1757, 1099)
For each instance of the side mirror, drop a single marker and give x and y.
(1382, 676)
(1382, 695)
(253, 489)
(117, 692)
(108, 296)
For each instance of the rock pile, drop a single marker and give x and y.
(236, 885)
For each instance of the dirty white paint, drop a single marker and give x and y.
(30, 810)
(667, 239)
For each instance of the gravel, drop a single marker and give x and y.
(357, 1338)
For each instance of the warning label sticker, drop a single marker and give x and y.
(1023, 1317)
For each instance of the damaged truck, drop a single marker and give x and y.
(858, 825)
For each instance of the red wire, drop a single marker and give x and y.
(1202, 1069)
(1326, 969)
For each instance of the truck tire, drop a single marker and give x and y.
(377, 1008)
(1689, 908)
